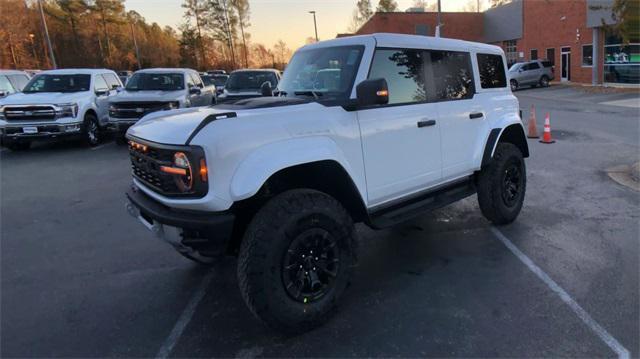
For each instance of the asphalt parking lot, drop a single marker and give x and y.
(80, 278)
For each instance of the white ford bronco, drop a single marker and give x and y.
(375, 129)
(56, 104)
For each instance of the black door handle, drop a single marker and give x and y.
(475, 115)
(426, 123)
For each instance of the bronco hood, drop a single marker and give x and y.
(178, 127)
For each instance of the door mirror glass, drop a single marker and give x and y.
(265, 89)
(372, 92)
(3, 93)
(102, 92)
(194, 90)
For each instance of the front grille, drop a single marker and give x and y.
(146, 168)
(41, 129)
(135, 109)
(29, 113)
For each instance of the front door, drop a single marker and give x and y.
(565, 64)
(401, 140)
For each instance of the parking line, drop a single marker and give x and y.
(185, 318)
(622, 352)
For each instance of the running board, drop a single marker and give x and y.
(413, 207)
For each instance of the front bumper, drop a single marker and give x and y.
(16, 131)
(121, 125)
(190, 232)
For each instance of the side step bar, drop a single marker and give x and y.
(413, 207)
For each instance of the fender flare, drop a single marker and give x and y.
(496, 134)
(264, 161)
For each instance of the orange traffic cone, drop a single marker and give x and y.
(533, 128)
(546, 136)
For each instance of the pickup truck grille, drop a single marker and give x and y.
(145, 166)
(135, 109)
(29, 113)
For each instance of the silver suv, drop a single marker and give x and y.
(532, 73)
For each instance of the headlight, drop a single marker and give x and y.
(2, 113)
(67, 110)
(181, 171)
(112, 108)
(173, 105)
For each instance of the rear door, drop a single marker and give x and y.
(400, 140)
(461, 116)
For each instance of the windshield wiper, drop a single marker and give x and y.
(315, 94)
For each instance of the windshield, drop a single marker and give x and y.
(250, 80)
(58, 83)
(326, 72)
(159, 81)
(220, 80)
(207, 80)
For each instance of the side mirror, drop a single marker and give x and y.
(3, 93)
(102, 92)
(119, 88)
(194, 91)
(372, 92)
(266, 89)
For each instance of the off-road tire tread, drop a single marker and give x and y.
(259, 236)
(489, 189)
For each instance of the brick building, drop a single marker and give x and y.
(567, 32)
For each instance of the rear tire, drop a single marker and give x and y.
(282, 281)
(502, 185)
(91, 130)
(514, 85)
(544, 81)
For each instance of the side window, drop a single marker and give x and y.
(18, 81)
(190, 82)
(196, 80)
(492, 73)
(404, 72)
(5, 85)
(112, 80)
(452, 75)
(100, 84)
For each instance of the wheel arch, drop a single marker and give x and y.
(513, 133)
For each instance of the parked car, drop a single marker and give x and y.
(151, 90)
(217, 72)
(209, 83)
(219, 81)
(280, 180)
(57, 103)
(532, 73)
(124, 76)
(32, 72)
(243, 84)
(12, 81)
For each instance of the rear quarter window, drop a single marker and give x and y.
(492, 73)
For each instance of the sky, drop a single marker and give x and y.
(287, 20)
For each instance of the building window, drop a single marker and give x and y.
(551, 56)
(511, 51)
(587, 55)
(422, 29)
(534, 54)
(492, 74)
(404, 71)
(621, 61)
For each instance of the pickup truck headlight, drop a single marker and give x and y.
(67, 110)
(173, 105)
(2, 113)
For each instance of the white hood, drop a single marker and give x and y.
(48, 98)
(147, 96)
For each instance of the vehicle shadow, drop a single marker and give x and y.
(428, 287)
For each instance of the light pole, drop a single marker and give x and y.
(135, 44)
(315, 24)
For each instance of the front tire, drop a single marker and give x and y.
(283, 281)
(544, 81)
(502, 185)
(91, 130)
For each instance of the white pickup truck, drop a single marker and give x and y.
(58, 103)
(157, 89)
(376, 129)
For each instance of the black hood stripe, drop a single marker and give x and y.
(207, 120)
